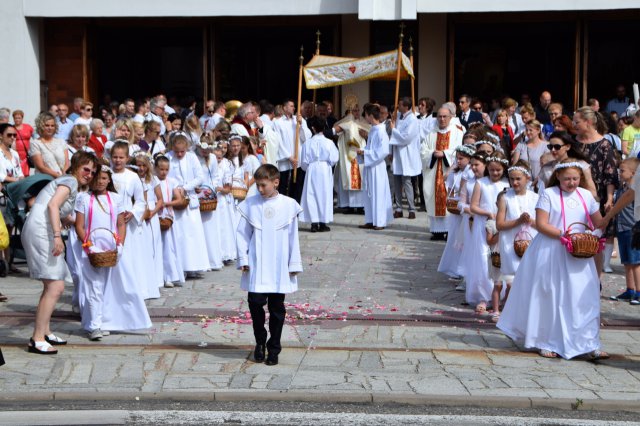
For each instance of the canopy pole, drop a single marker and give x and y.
(298, 114)
(413, 79)
(399, 64)
(318, 33)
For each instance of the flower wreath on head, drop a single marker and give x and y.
(138, 154)
(519, 169)
(567, 165)
(494, 137)
(497, 160)
(106, 169)
(466, 149)
(485, 142)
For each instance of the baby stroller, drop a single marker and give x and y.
(17, 196)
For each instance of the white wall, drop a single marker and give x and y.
(185, 8)
(387, 10)
(355, 44)
(454, 6)
(432, 57)
(20, 75)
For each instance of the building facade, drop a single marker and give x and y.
(249, 49)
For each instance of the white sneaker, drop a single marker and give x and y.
(461, 287)
(106, 333)
(95, 335)
(168, 284)
(607, 269)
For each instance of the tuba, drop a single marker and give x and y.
(232, 109)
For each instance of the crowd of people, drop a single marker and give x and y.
(169, 181)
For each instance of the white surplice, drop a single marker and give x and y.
(319, 154)
(272, 137)
(286, 128)
(210, 219)
(250, 164)
(192, 247)
(377, 208)
(267, 240)
(405, 145)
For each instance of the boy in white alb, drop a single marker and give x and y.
(269, 257)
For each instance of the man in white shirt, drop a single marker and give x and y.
(405, 142)
(287, 159)
(209, 109)
(142, 110)
(219, 111)
(243, 121)
(156, 112)
(64, 124)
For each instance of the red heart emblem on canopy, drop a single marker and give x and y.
(352, 68)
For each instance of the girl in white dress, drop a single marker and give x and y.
(554, 304)
(451, 261)
(185, 168)
(210, 219)
(516, 213)
(129, 186)
(151, 226)
(465, 238)
(226, 205)
(173, 271)
(484, 234)
(238, 174)
(99, 226)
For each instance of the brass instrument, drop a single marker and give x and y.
(232, 108)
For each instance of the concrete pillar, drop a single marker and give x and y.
(355, 44)
(432, 76)
(20, 46)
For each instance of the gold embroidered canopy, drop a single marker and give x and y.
(328, 71)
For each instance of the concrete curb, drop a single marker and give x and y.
(333, 397)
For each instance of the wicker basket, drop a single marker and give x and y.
(495, 259)
(585, 245)
(452, 206)
(239, 193)
(165, 223)
(209, 203)
(521, 242)
(105, 259)
(452, 203)
(183, 205)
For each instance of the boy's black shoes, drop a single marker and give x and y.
(258, 353)
(272, 360)
(324, 228)
(314, 227)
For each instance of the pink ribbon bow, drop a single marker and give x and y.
(566, 241)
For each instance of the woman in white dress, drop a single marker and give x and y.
(556, 308)
(480, 273)
(516, 213)
(210, 219)
(451, 262)
(151, 225)
(186, 170)
(43, 245)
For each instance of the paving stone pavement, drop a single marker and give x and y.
(372, 317)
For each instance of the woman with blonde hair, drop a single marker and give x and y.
(49, 154)
(193, 129)
(531, 149)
